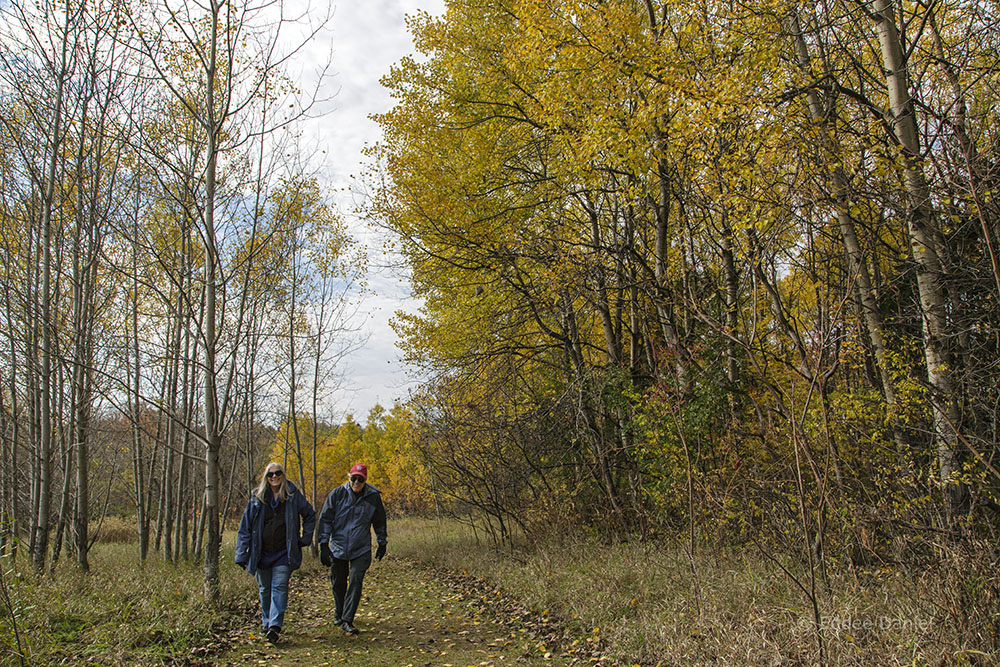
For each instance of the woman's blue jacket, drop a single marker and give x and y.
(248, 537)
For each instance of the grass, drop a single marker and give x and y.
(741, 609)
(407, 616)
(119, 612)
(638, 603)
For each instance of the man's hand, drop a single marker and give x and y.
(380, 552)
(324, 554)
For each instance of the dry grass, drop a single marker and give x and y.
(119, 612)
(114, 530)
(741, 609)
(641, 599)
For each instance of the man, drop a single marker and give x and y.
(345, 541)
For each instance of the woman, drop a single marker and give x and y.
(270, 540)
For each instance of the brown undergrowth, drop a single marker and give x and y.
(652, 604)
(119, 613)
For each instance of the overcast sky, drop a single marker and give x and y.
(366, 38)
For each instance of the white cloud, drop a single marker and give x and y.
(367, 39)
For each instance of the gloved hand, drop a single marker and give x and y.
(380, 552)
(324, 554)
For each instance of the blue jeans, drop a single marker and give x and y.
(273, 586)
(346, 576)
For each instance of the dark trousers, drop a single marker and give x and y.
(346, 576)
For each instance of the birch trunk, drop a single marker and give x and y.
(664, 308)
(213, 438)
(12, 525)
(45, 358)
(169, 488)
(294, 423)
(601, 469)
(921, 229)
(855, 256)
(185, 495)
(139, 486)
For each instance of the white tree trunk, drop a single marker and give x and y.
(921, 226)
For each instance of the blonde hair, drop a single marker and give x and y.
(262, 488)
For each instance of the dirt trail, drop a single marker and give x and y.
(410, 617)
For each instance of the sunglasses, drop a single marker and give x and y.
(273, 473)
(357, 478)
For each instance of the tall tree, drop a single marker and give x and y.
(923, 231)
(233, 55)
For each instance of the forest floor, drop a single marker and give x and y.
(444, 596)
(410, 616)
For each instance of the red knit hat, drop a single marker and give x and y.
(359, 469)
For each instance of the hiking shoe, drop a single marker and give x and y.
(348, 628)
(272, 635)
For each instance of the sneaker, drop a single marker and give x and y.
(348, 628)
(272, 635)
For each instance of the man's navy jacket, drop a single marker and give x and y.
(347, 518)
